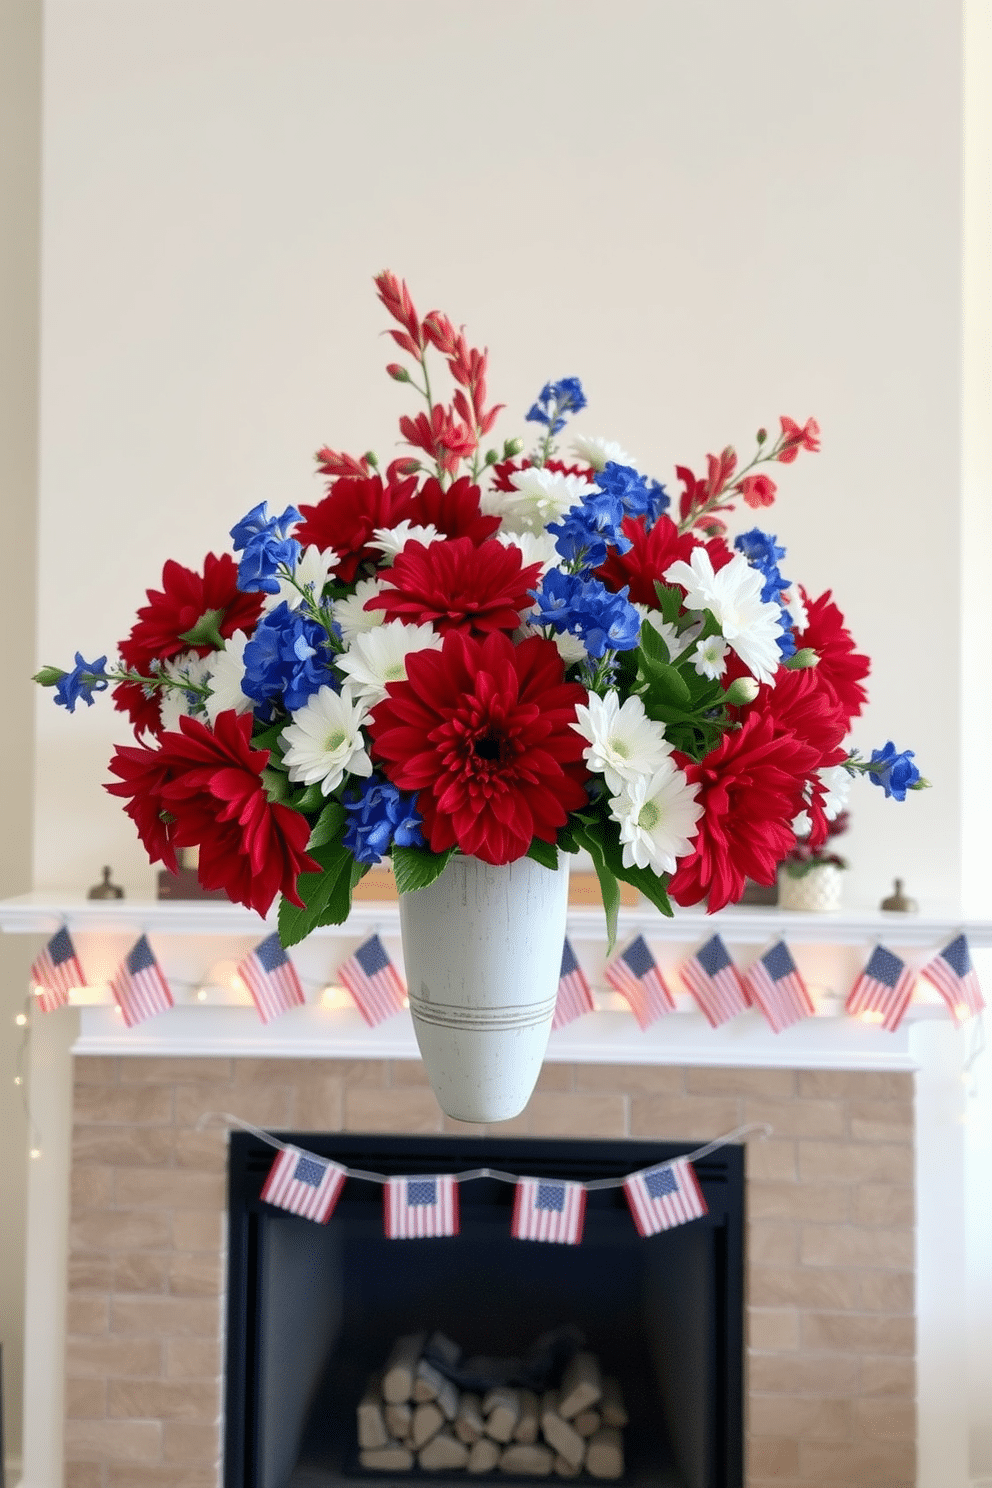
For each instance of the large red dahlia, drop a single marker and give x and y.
(203, 788)
(840, 667)
(650, 553)
(455, 511)
(348, 516)
(750, 788)
(483, 730)
(455, 585)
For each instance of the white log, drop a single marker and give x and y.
(469, 1424)
(372, 1431)
(427, 1422)
(501, 1408)
(388, 1459)
(532, 1461)
(604, 1458)
(529, 1424)
(581, 1385)
(431, 1384)
(587, 1422)
(612, 1406)
(401, 1368)
(443, 1451)
(560, 1434)
(483, 1455)
(398, 1418)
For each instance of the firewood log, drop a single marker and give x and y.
(587, 1422)
(560, 1434)
(442, 1452)
(565, 1469)
(612, 1406)
(372, 1432)
(439, 1348)
(532, 1461)
(469, 1424)
(604, 1458)
(483, 1455)
(401, 1368)
(431, 1384)
(388, 1459)
(529, 1425)
(398, 1418)
(501, 1408)
(427, 1422)
(581, 1385)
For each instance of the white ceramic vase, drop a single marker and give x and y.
(818, 891)
(482, 949)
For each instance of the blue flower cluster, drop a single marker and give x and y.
(763, 553)
(285, 658)
(266, 546)
(555, 402)
(381, 815)
(86, 678)
(896, 773)
(638, 496)
(585, 608)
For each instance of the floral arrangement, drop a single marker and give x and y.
(501, 654)
(804, 857)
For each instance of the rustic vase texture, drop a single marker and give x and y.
(818, 891)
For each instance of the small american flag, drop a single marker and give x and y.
(635, 975)
(574, 991)
(774, 983)
(304, 1184)
(418, 1208)
(139, 986)
(715, 983)
(547, 1209)
(665, 1196)
(952, 973)
(56, 971)
(373, 981)
(883, 989)
(271, 978)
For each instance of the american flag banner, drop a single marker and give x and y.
(665, 1196)
(574, 991)
(883, 989)
(635, 975)
(715, 983)
(373, 981)
(548, 1209)
(419, 1208)
(55, 971)
(952, 973)
(304, 1184)
(774, 984)
(139, 986)
(271, 978)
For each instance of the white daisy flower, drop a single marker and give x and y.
(325, 740)
(311, 573)
(599, 452)
(392, 540)
(227, 670)
(836, 789)
(677, 641)
(624, 743)
(539, 496)
(657, 816)
(733, 595)
(710, 659)
(793, 600)
(173, 702)
(379, 656)
(535, 547)
(570, 648)
(352, 616)
(802, 824)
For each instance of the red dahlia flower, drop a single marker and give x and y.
(456, 585)
(203, 788)
(454, 512)
(750, 788)
(840, 667)
(651, 552)
(348, 516)
(483, 730)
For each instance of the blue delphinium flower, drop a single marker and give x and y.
(381, 815)
(554, 402)
(285, 659)
(86, 678)
(895, 772)
(763, 553)
(265, 544)
(627, 486)
(582, 535)
(585, 608)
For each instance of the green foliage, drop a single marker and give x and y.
(544, 853)
(310, 799)
(49, 676)
(206, 631)
(326, 895)
(328, 827)
(416, 867)
(673, 693)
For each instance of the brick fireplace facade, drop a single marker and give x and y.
(830, 1381)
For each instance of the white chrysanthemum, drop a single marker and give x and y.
(836, 784)
(227, 670)
(325, 740)
(599, 452)
(392, 540)
(173, 702)
(379, 656)
(793, 600)
(802, 824)
(352, 616)
(311, 573)
(624, 743)
(535, 547)
(677, 641)
(570, 648)
(657, 816)
(710, 659)
(539, 496)
(733, 595)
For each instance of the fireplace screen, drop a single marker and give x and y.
(615, 1360)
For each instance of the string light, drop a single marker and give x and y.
(35, 1153)
(201, 994)
(21, 1020)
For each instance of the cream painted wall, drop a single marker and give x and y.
(713, 213)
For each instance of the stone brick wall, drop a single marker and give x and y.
(831, 1376)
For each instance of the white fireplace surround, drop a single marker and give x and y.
(199, 944)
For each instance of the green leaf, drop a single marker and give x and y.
(328, 825)
(326, 895)
(311, 799)
(416, 867)
(49, 676)
(670, 602)
(268, 737)
(588, 837)
(544, 853)
(206, 631)
(276, 786)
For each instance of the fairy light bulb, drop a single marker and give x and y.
(18, 1080)
(35, 1153)
(201, 994)
(21, 1019)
